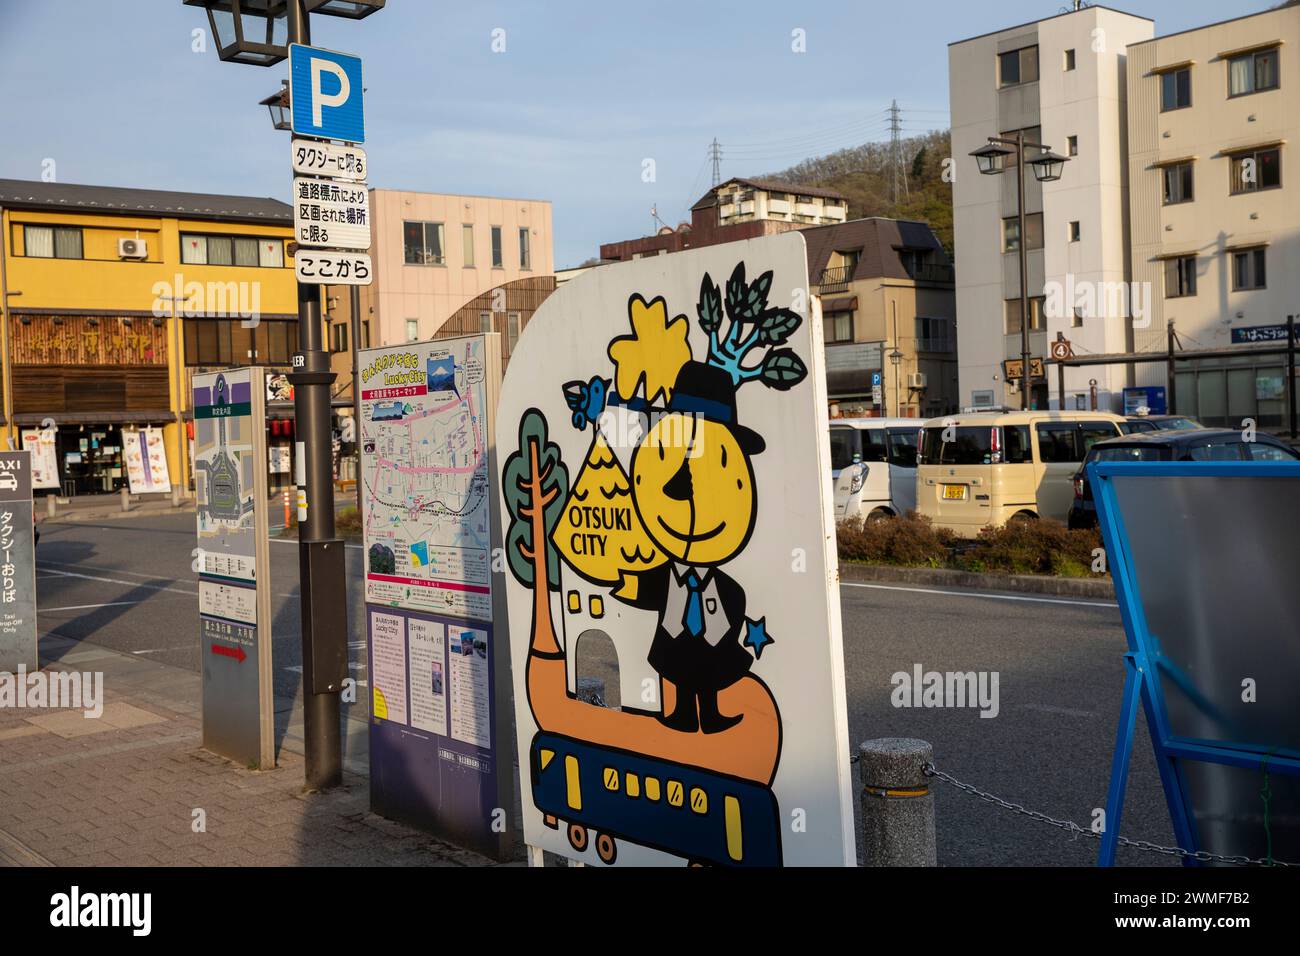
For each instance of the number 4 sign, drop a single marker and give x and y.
(316, 266)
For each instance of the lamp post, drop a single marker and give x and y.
(1047, 166)
(896, 359)
(259, 32)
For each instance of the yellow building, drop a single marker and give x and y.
(110, 300)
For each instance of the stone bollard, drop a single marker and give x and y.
(897, 805)
(592, 690)
(176, 496)
(126, 499)
(49, 505)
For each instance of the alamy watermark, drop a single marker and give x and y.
(1100, 299)
(949, 689)
(221, 300)
(53, 690)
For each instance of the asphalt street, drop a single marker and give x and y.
(127, 584)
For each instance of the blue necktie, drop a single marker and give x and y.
(693, 618)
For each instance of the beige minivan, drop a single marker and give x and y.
(989, 468)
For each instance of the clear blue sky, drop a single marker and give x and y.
(584, 92)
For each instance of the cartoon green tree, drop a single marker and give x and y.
(751, 324)
(535, 484)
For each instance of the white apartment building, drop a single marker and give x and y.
(1214, 184)
(1063, 81)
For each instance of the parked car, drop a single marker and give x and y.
(976, 471)
(1201, 444)
(886, 486)
(1154, 423)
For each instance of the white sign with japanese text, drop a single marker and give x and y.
(333, 160)
(331, 213)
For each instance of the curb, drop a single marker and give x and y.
(101, 514)
(1025, 583)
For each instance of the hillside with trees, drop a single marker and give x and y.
(863, 173)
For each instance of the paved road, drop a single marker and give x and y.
(127, 584)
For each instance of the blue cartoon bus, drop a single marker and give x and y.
(705, 817)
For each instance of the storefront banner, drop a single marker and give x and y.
(146, 461)
(45, 461)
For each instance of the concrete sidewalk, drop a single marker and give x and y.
(124, 789)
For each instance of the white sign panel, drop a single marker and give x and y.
(335, 161)
(327, 267)
(332, 213)
(663, 458)
(146, 461)
(45, 464)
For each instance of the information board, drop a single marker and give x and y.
(233, 564)
(437, 661)
(146, 461)
(45, 463)
(17, 564)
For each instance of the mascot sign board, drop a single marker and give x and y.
(665, 483)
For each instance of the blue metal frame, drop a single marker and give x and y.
(1145, 662)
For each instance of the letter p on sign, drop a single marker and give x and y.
(325, 90)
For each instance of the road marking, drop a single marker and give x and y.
(978, 594)
(134, 584)
(160, 650)
(82, 607)
(1064, 711)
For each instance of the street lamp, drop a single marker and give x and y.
(260, 32)
(1048, 166)
(248, 31)
(896, 359)
(277, 104)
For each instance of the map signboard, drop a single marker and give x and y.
(234, 590)
(17, 564)
(436, 647)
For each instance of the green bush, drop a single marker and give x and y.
(911, 541)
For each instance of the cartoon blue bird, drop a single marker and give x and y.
(587, 399)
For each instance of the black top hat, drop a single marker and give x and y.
(707, 391)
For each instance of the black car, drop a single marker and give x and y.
(1158, 423)
(1200, 444)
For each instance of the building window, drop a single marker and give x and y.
(250, 252)
(1180, 277)
(52, 242)
(467, 244)
(1035, 314)
(1248, 269)
(339, 337)
(365, 334)
(1018, 66)
(1177, 183)
(210, 342)
(933, 334)
(525, 259)
(485, 321)
(512, 329)
(1175, 89)
(1252, 72)
(412, 329)
(1074, 230)
(422, 242)
(1069, 60)
(497, 261)
(1261, 169)
(1072, 143)
(1033, 230)
(837, 327)
(1076, 318)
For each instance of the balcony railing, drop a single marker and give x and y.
(835, 279)
(933, 272)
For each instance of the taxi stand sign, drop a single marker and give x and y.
(331, 214)
(316, 158)
(1148, 667)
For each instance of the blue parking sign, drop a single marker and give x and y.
(325, 90)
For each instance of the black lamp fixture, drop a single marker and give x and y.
(1048, 166)
(991, 158)
(278, 106)
(255, 32)
(351, 9)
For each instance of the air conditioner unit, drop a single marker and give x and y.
(916, 380)
(131, 249)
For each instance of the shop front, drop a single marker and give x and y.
(92, 382)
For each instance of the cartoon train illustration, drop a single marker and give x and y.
(636, 548)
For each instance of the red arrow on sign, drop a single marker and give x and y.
(236, 652)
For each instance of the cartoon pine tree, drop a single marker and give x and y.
(751, 324)
(535, 484)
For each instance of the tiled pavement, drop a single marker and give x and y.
(124, 788)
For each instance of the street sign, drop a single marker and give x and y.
(325, 93)
(234, 564)
(1013, 368)
(1259, 333)
(875, 380)
(17, 564)
(876, 394)
(314, 158)
(1061, 350)
(327, 212)
(332, 268)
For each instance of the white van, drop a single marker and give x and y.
(885, 448)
